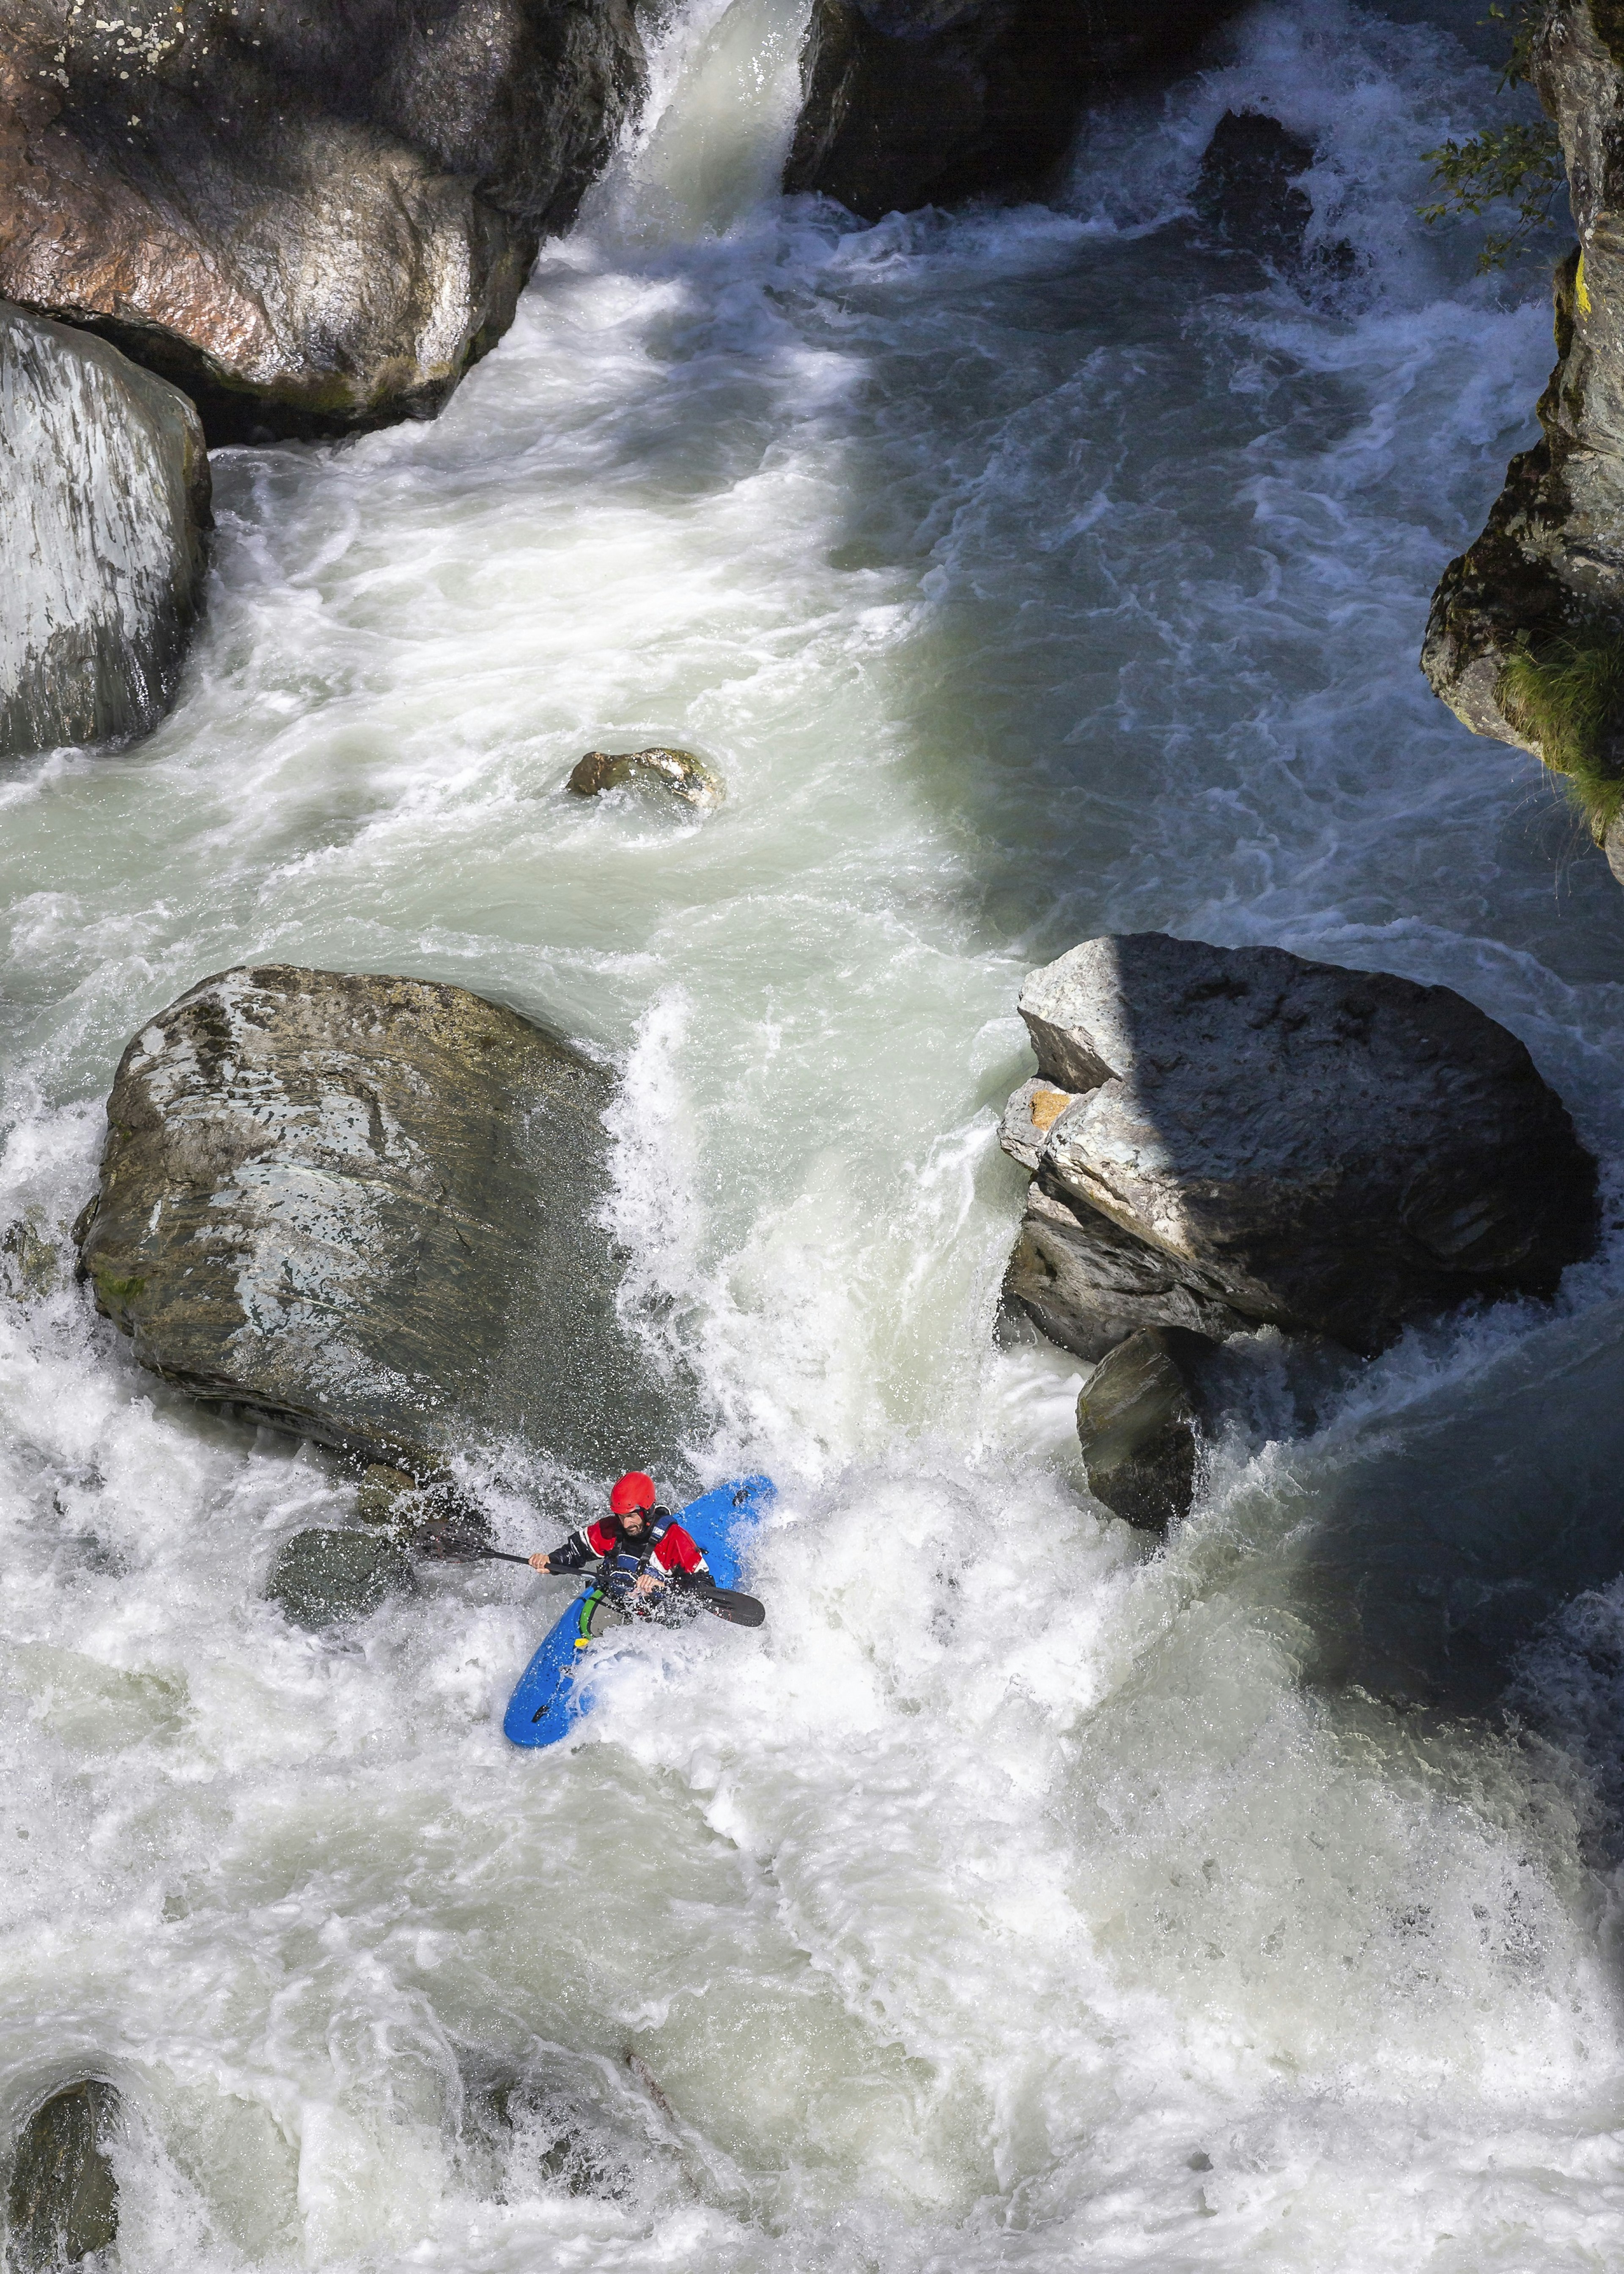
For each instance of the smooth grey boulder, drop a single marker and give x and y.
(320, 1578)
(1139, 1421)
(311, 215)
(367, 1210)
(1260, 1140)
(680, 772)
(63, 2202)
(103, 544)
(910, 103)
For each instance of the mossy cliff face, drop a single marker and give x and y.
(312, 217)
(1526, 637)
(909, 103)
(366, 1209)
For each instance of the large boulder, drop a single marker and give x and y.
(312, 216)
(1525, 641)
(1235, 1137)
(367, 1210)
(104, 543)
(910, 103)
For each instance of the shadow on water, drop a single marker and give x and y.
(1416, 1554)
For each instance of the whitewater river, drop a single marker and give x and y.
(1023, 1897)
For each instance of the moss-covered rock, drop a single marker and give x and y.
(320, 1578)
(63, 2203)
(1526, 633)
(369, 1210)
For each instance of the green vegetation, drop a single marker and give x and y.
(1570, 698)
(1520, 165)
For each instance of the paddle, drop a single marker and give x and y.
(443, 1544)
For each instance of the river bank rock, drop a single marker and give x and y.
(312, 218)
(63, 2202)
(1525, 640)
(680, 772)
(1249, 1139)
(367, 1209)
(103, 541)
(913, 103)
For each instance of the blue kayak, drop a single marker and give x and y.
(551, 1696)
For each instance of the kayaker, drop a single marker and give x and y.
(637, 1526)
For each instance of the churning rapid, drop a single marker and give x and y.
(1021, 1898)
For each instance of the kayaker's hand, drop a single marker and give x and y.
(645, 1585)
(541, 1563)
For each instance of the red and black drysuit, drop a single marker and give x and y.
(674, 1552)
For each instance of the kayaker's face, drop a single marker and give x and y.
(634, 1522)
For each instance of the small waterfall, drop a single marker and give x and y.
(725, 85)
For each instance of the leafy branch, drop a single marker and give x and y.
(1519, 165)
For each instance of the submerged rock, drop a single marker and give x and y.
(322, 1578)
(63, 2203)
(1260, 1140)
(679, 771)
(312, 217)
(1247, 187)
(907, 103)
(1139, 1420)
(102, 540)
(367, 1210)
(1525, 641)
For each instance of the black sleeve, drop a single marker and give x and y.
(576, 1553)
(690, 1578)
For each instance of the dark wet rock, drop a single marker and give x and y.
(913, 103)
(1260, 1140)
(1247, 188)
(678, 771)
(312, 217)
(320, 1578)
(367, 1209)
(30, 1263)
(102, 541)
(1543, 584)
(63, 2203)
(382, 1491)
(1139, 1421)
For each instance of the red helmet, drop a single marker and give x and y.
(634, 1490)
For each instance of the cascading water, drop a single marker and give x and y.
(1019, 1898)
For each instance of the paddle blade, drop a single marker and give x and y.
(728, 1603)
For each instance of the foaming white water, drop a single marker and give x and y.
(1013, 1898)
